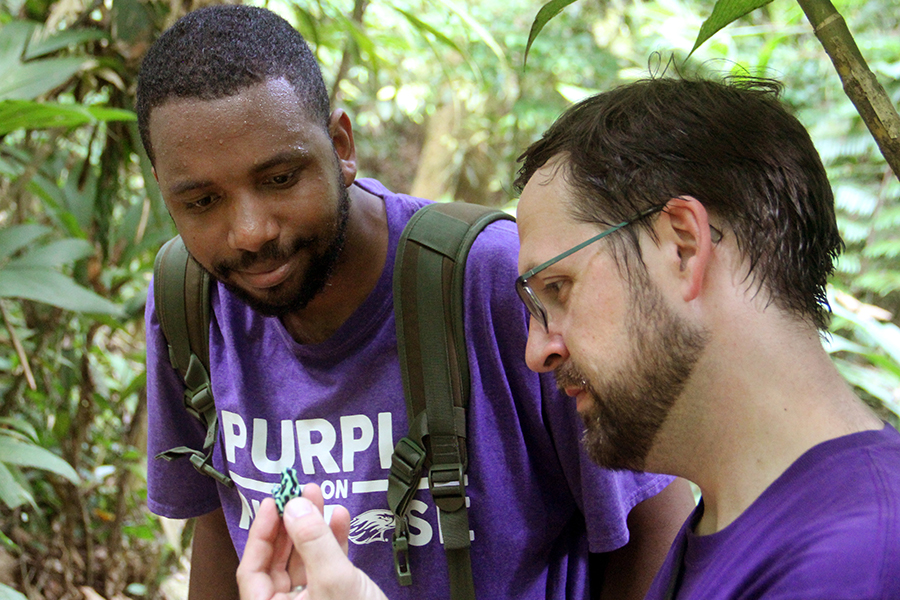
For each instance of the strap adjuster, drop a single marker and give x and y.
(401, 552)
(407, 461)
(447, 486)
(204, 466)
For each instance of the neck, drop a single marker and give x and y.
(355, 276)
(761, 396)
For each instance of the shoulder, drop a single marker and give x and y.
(495, 253)
(400, 207)
(832, 524)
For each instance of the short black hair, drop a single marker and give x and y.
(733, 146)
(218, 51)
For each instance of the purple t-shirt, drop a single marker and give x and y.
(335, 410)
(828, 528)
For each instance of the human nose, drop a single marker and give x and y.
(545, 350)
(252, 224)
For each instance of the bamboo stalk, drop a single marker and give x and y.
(860, 84)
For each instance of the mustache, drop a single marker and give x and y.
(270, 251)
(568, 375)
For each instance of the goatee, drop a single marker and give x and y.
(628, 407)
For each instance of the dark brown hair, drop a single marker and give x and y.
(731, 145)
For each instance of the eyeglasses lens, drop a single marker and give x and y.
(532, 302)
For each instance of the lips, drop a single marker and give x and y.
(572, 391)
(582, 397)
(264, 276)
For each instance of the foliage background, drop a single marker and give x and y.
(441, 105)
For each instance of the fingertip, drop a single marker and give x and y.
(340, 517)
(298, 508)
(267, 505)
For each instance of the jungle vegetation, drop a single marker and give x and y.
(442, 100)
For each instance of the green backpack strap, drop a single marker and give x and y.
(429, 274)
(181, 294)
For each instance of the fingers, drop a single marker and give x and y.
(340, 517)
(330, 574)
(261, 539)
(255, 572)
(261, 573)
(312, 537)
(340, 526)
(313, 493)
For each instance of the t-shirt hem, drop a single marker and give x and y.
(181, 512)
(653, 487)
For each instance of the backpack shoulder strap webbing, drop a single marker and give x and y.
(181, 295)
(429, 274)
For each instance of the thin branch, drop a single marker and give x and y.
(860, 84)
(17, 344)
(359, 7)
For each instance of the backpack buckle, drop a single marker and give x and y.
(407, 461)
(401, 552)
(447, 487)
(202, 464)
(406, 465)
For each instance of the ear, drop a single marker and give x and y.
(685, 238)
(341, 131)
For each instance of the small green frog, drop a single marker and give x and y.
(289, 487)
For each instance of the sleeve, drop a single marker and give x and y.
(604, 496)
(174, 489)
(548, 418)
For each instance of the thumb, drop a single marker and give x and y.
(311, 535)
(329, 573)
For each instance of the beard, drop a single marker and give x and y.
(629, 406)
(283, 299)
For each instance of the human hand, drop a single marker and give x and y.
(282, 555)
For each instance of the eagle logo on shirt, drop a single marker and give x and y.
(371, 526)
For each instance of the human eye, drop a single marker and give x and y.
(554, 290)
(283, 179)
(200, 204)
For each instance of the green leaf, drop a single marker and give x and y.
(480, 30)
(50, 287)
(875, 383)
(42, 45)
(574, 93)
(7, 593)
(24, 114)
(54, 254)
(307, 25)
(132, 21)
(13, 239)
(423, 26)
(12, 494)
(724, 13)
(27, 81)
(18, 425)
(14, 38)
(547, 12)
(26, 454)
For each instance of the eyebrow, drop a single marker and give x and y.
(286, 156)
(187, 186)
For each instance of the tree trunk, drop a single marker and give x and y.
(436, 172)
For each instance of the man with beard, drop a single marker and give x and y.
(259, 176)
(676, 238)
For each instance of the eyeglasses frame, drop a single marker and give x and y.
(529, 297)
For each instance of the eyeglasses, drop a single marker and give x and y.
(530, 297)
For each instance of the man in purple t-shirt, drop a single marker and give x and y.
(676, 237)
(259, 175)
